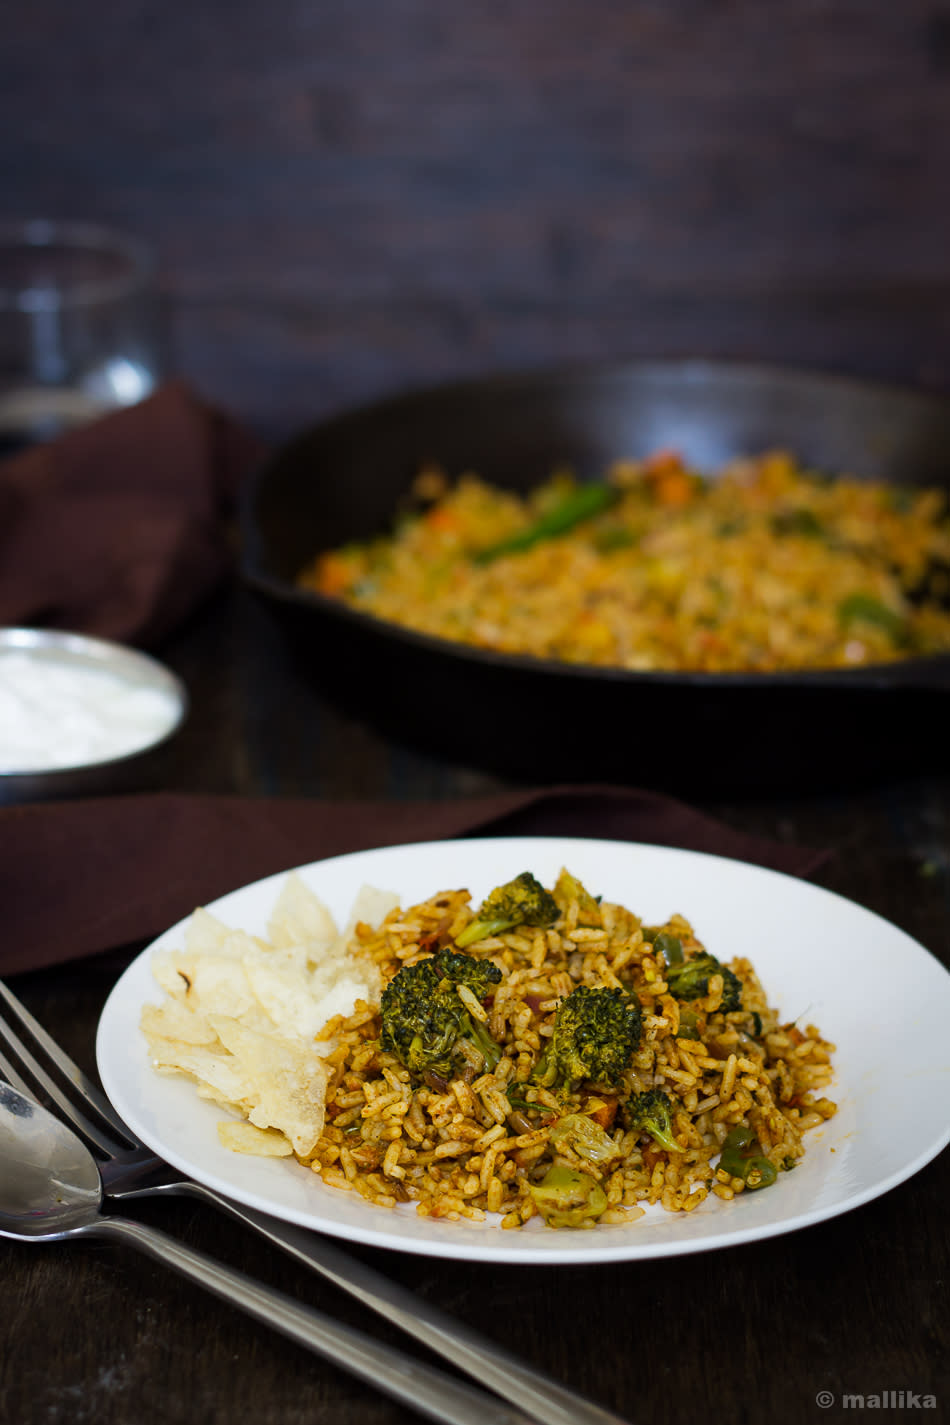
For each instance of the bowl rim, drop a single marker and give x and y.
(105, 655)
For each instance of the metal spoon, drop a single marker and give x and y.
(50, 1191)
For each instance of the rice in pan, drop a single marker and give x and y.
(767, 566)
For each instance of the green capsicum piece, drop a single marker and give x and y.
(740, 1159)
(670, 946)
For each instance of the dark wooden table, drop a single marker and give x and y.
(749, 1334)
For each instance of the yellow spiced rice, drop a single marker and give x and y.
(764, 567)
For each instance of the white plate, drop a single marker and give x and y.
(877, 994)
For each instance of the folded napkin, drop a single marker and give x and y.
(82, 877)
(120, 527)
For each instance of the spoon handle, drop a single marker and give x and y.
(421, 1387)
(543, 1398)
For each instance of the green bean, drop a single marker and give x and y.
(581, 504)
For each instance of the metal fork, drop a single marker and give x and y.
(130, 1170)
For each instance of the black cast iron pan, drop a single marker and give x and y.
(532, 720)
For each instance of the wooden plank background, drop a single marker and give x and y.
(351, 199)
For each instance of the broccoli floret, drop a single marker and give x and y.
(566, 1197)
(569, 888)
(424, 1019)
(480, 976)
(652, 1112)
(523, 901)
(689, 979)
(595, 1034)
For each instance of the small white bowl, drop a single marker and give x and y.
(130, 768)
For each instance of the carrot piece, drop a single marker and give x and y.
(332, 575)
(674, 489)
(605, 1114)
(442, 519)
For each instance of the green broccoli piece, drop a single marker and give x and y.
(566, 1197)
(424, 1019)
(480, 976)
(523, 901)
(652, 1112)
(689, 979)
(569, 888)
(595, 1034)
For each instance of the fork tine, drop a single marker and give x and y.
(10, 1075)
(83, 1125)
(84, 1087)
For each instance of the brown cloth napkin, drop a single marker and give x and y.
(120, 528)
(87, 876)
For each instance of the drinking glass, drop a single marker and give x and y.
(79, 329)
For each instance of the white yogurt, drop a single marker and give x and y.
(57, 712)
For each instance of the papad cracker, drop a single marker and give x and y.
(242, 1013)
(288, 1082)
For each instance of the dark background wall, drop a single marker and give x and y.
(352, 198)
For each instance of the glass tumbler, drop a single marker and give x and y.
(78, 327)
